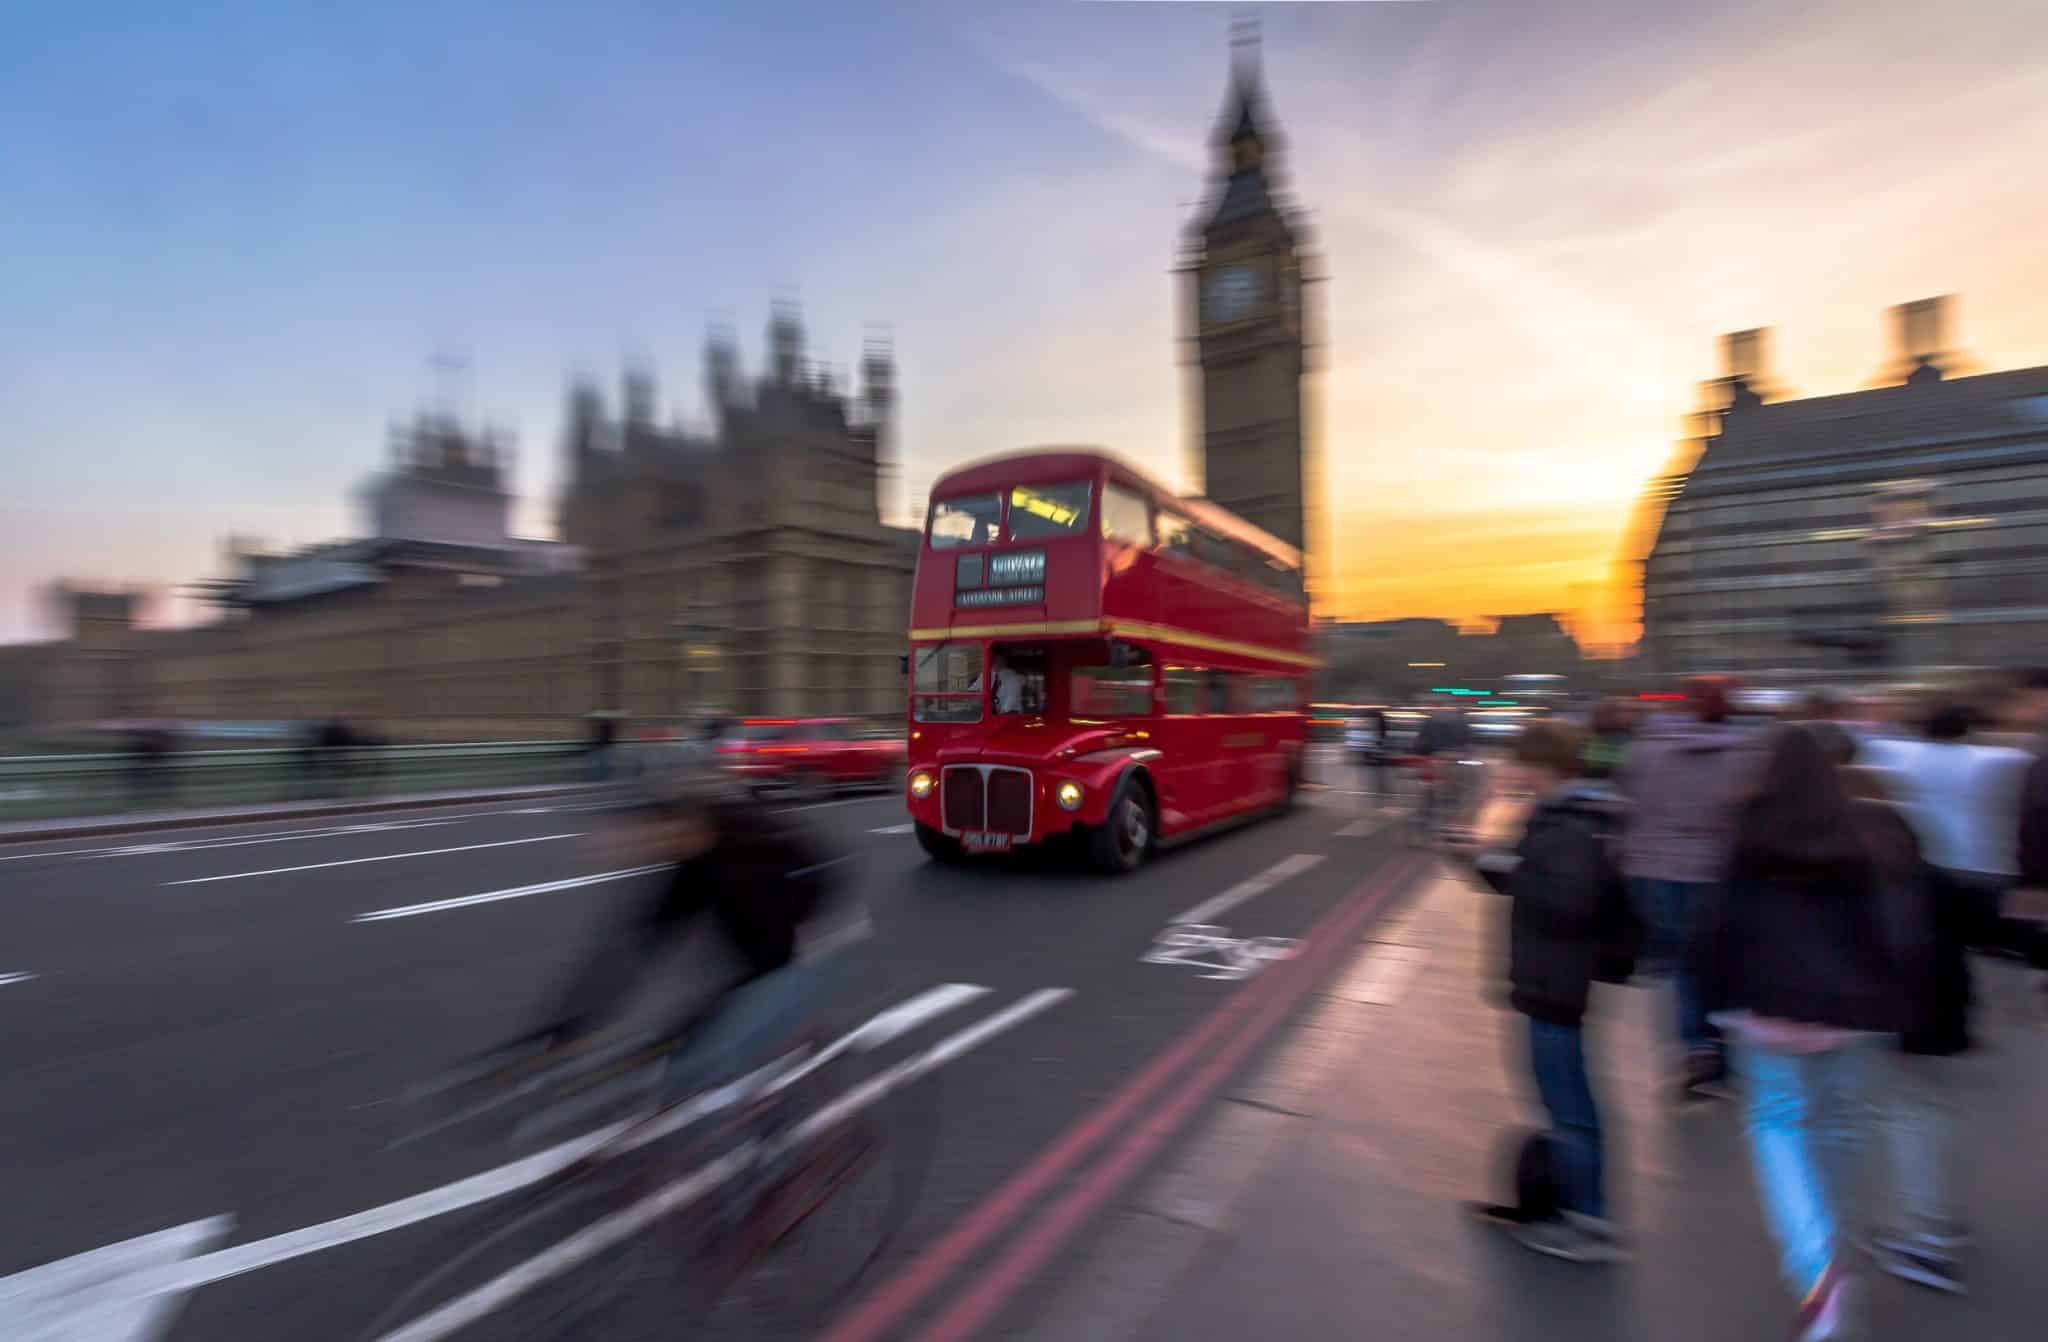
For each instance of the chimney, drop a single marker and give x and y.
(1744, 361)
(1920, 337)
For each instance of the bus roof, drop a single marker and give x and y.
(1044, 465)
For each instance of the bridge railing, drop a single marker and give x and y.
(49, 786)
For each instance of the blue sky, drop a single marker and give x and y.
(236, 234)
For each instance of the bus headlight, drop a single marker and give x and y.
(1068, 795)
(922, 783)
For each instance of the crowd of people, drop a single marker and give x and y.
(1816, 889)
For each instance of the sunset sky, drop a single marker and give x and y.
(235, 235)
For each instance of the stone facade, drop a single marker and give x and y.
(1898, 530)
(741, 572)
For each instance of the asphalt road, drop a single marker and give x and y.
(204, 1035)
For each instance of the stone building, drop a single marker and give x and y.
(1896, 530)
(741, 571)
(746, 570)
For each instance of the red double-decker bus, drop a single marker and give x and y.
(1092, 655)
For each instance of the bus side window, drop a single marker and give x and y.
(1183, 691)
(1176, 534)
(1219, 698)
(1126, 516)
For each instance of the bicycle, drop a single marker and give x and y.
(756, 1207)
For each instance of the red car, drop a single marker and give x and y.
(813, 756)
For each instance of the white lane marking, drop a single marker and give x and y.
(1250, 888)
(221, 1264)
(893, 829)
(224, 841)
(891, 1024)
(32, 1302)
(383, 857)
(19, 976)
(510, 892)
(586, 1243)
(1364, 828)
(890, 796)
(600, 1235)
(204, 845)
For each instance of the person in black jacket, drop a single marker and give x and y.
(767, 892)
(1570, 924)
(1800, 970)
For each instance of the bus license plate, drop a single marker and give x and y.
(982, 841)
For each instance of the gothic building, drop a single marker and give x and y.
(1245, 264)
(744, 570)
(747, 569)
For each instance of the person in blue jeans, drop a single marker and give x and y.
(1570, 924)
(1683, 778)
(1809, 966)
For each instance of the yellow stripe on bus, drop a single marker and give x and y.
(1116, 629)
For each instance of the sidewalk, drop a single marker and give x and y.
(1351, 1228)
(80, 827)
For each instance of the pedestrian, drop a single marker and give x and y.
(1613, 724)
(1966, 802)
(1919, 1099)
(1570, 924)
(1798, 971)
(1682, 780)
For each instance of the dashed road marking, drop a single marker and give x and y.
(382, 857)
(18, 976)
(510, 892)
(1250, 888)
(894, 829)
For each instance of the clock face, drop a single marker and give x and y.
(1231, 293)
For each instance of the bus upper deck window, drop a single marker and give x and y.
(974, 519)
(1044, 511)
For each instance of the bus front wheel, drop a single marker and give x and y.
(1124, 837)
(938, 846)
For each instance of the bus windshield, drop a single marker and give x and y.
(973, 520)
(1039, 512)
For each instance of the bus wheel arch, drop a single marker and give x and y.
(1130, 824)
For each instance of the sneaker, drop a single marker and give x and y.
(1918, 1259)
(1564, 1239)
(1830, 1311)
(1497, 1214)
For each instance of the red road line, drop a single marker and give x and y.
(893, 1299)
(1058, 1224)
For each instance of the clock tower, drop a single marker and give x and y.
(1244, 299)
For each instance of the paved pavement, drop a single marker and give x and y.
(1322, 1202)
(204, 1033)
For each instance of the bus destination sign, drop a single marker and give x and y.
(1000, 596)
(1012, 578)
(1016, 566)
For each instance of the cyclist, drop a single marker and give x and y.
(1439, 747)
(765, 887)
